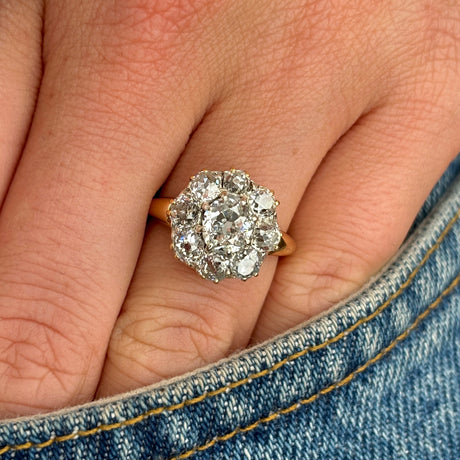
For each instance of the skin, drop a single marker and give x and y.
(348, 110)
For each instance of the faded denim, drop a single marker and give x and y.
(375, 378)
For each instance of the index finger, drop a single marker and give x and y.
(107, 130)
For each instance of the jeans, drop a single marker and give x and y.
(375, 377)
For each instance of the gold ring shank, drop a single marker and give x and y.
(159, 210)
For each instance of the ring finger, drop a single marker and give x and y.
(172, 321)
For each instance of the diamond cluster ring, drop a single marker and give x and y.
(223, 225)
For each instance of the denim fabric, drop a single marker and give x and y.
(376, 377)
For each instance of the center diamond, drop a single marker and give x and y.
(227, 226)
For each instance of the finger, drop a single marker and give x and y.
(100, 146)
(20, 72)
(357, 210)
(172, 321)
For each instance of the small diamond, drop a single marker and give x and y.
(248, 265)
(263, 201)
(236, 181)
(206, 185)
(266, 236)
(183, 210)
(188, 246)
(214, 268)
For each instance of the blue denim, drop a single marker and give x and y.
(377, 377)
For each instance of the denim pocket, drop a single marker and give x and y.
(375, 377)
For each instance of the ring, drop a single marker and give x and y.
(223, 225)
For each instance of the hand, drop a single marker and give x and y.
(348, 110)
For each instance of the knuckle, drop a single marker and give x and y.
(436, 38)
(119, 62)
(318, 280)
(45, 346)
(129, 42)
(41, 366)
(145, 32)
(29, 343)
(164, 16)
(169, 340)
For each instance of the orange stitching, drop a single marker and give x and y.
(189, 402)
(328, 389)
